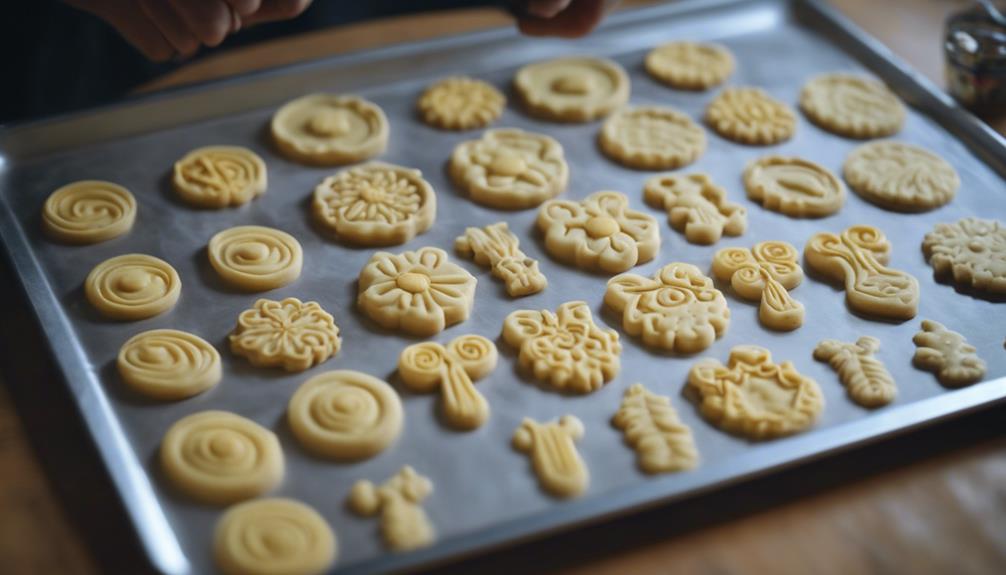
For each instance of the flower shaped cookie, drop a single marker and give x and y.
(600, 233)
(288, 333)
(972, 250)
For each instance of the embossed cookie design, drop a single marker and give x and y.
(690, 65)
(168, 364)
(865, 378)
(329, 129)
(795, 187)
(678, 309)
(901, 177)
(274, 535)
(256, 258)
(947, 354)
(219, 176)
(652, 428)
(404, 524)
(972, 250)
(696, 206)
(852, 105)
(132, 287)
(496, 246)
(461, 103)
(552, 448)
(766, 273)
(651, 138)
(429, 365)
(750, 116)
(290, 333)
(577, 89)
(88, 212)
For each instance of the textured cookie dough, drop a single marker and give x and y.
(972, 250)
(426, 366)
(690, 65)
(345, 415)
(552, 448)
(754, 397)
(219, 457)
(274, 536)
(947, 354)
(288, 333)
(652, 138)
(678, 309)
(461, 103)
(600, 233)
(795, 187)
(900, 176)
(696, 207)
(851, 105)
(765, 272)
(750, 116)
(375, 204)
(330, 130)
(496, 246)
(857, 258)
(255, 258)
(576, 89)
(864, 376)
(168, 364)
(510, 169)
(219, 176)
(651, 426)
(418, 292)
(566, 349)
(88, 212)
(132, 287)
(404, 524)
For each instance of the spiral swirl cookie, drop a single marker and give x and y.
(900, 176)
(345, 415)
(132, 286)
(168, 364)
(219, 457)
(578, 89)
(690, 65)
(274, 536)
(461, 103)
(750, 116)
(255, 258)
(329, 130)
(88, 212)
(219, 176)
(652, 138)
(852, 106)
(289, 333)
(795, 187)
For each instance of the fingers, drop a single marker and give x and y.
(577, 19)
(209, 21)
(245, 8)
(130, 21)
(274, 10)
(171, 26)
(545, 8)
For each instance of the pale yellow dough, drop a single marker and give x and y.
(219, 176)
(329, 129)
(793, 186)
(88, 212)
(345, 415)
(427, 366)
(219, 457)
(510, 169)
(690, 65)
(132, 287)
(255, 258)
(652, 138)
(552, 448)
(750, 116)
(575, 89)
(496, 246)
(169, 364)
(404, 524)
(652, 427)
(766, 273)
(288, 333)
(947, 354)
(275, 536)
(972, 250)
(852, 105)
(696, 206)
(901, 177)
(461, 103)
(865, 378)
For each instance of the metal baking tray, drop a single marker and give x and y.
(485, 492)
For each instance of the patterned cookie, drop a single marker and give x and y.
(947, 354)
(255, 258)
(865, 378)
(652, 138)
(552, 447)
(404, 524)
(88, 212)
(750, 116)
(168, 364)
(690, 65)
(329, 129)
(652, 427)
(132, 287)
(900, 176)
(696, 207)
(273, 536)
(793, 186)
(851, 105)
(219, 176)
(973, 250)
(577, 89)
(766, 273)
(496, 246)
(289, 333)
(461, 103)
(429, 365)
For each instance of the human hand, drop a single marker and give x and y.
(563, 18)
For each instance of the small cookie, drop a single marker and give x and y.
(273, 536)
(461, 103)
(255, 258)
(900, 176)
(219, 457)
(865, 378)
(576, 89)
(765, 272)
(793, 186)
(288, 333)
(132, 287)
(973, 250)
(404, 524)
(429, 365)
(418, 292)
(552, 447)
(600, 233)
(510, 169)
(375, 204)
(168, 364)
(690, 65)
(754, 397)
(652, 138)
(88, 212)
(345, 415)
(750, 116)
(330, 130)
(947, 354)
(696, 206)
(219, 176)
(678, 309)
(652, 427)
(851, 105)
(496, 246)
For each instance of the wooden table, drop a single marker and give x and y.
(930, 502)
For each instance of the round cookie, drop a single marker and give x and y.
(851, 105)
(793, 186)
(329, 129)
(461, 103)
(168, 364)
(255, 258)
(972, 251)
(219, 176)
(900, 177)
(575, 89)
(652, 138)
(132, 286)
(288, 333)
(750, 116)
(690, 65)
(88, 212)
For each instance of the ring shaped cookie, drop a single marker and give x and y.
(375, 204)
(690, 65)
(900, 176)
(219, 176)
(345, 414)
(255, 258)
(577, 89)
(88, 212)
(461, 103)
(329, 130)
(750, 116)
(219, 457)
(273, 536)
(169, 364)
(132, 286)
(652, 138)
(852, 106)
(795, 187)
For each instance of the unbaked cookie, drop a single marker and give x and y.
(255, 258)
(865, 378)
(132, 286)
(947, 354)
(404, 524)
(169, 364)
(652, 138)
(329, 129)
(289, 333)
(496, 246)
(652, 427)
(274, 536)
(576, 89)
(219, 176)
(461, 103)
(750, 116)
(696, 206)
(793, 186)
(453, 368)
(900, 176)
(852, 105)
(972, 250)
(552, 447)
(88, 212)
(690, 65)
(766, 273)
(375, 204)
